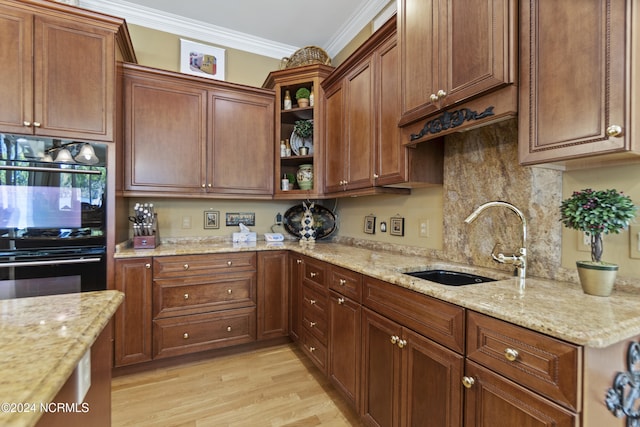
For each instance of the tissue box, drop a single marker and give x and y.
(244, 236)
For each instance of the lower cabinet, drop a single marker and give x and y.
(273, 294)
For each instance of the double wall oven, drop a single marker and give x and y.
(52, 216)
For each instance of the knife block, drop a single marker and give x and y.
(148, 242)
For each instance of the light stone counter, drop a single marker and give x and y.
(42, 341)
(559, 309)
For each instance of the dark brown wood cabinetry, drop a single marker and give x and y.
(59, 70)
(575, 109)
(132, 340)
(187, 137)
(273, 294)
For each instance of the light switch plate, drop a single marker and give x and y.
(634, 241)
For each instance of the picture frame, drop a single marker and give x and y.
(211, 219)
(370, 224)
(235, 218)
(397, 226)
(202, 60)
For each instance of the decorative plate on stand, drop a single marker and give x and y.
(296, 142)
(324, 221)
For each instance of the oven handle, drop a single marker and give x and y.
(49, 262)
(44, 169)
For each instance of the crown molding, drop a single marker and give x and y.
(191, 28)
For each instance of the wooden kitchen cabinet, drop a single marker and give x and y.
(273, 294)
(575, 109)
(59, 70)
(296, 271)
(314, 320)
(188, 137)
(132, 338)
(454, 51)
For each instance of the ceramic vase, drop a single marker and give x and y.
(597, 278)
(305, 177)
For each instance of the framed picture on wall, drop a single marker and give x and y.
(211, 219)
(370, 224)
(202, 60)
(397, 226)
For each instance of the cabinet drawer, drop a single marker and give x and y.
(193, 265)
(187, 334)
(173, 297)
(441, 321)
(314, 312)
(346, 282)
(316, 350)
(314, 271)
(541, 363)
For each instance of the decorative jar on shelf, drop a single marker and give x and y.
(305, 177)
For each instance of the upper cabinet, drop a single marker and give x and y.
(188, 137)
(289, 81)
(578, 64)
(58, 74)
(452, 52)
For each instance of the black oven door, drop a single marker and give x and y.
(53, 271)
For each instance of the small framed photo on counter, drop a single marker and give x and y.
(397, 226)
(211, 219)
(370, 224)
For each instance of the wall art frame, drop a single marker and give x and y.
(370, 224)
(211, 219)
(235, 218)
(397, 226)
(202, 60)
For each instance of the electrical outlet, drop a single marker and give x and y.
(424, 228)
(583, 242)
(634, 241)
(186, 222)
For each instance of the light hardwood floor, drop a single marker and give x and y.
(276, 386)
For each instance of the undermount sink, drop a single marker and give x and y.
(451, 278)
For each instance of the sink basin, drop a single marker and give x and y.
(451, 278)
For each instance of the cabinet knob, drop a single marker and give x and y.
(441, 94)
(299, 261)
(312, 301)
(511, 354)
(313, 274)
(26, 123)
(343, 282)
(36, 124)
(229, 263)
(203, 185)
(229, 291)
(402, 343)
(340, 300)
(312, 349)
(209, 185)
(614, 130)
(433, 97)
(186, 296)
(394, 339)
(312, 324)
(376, 176)
(186, 266)
(185, 335)
(147, 266)
(468, 382)
(228, 328)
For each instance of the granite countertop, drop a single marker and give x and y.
(558, 309)
(43, 339)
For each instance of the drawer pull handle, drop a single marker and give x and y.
(312, 349)
(340, 300)
(468, 382)
(299, 261)
(186, 266)
(402, 343)
(147, 266)
(312, 301)
(186, 296)
(394, 339)
(185, 336)
(313, 274)
(229, 291)
(511, 354)
(614, 130)
(26, 123)
(228, 328)
(343, 282)
(229, 263)
(312, 324)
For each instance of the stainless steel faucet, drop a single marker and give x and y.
(519, 260)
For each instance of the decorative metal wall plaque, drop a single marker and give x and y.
(623, 399)
(450, 120)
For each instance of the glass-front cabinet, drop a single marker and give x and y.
(299, 147)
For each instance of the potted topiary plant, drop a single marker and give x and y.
(302, 95)
(304, 129)
(597, 213)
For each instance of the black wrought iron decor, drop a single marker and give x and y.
(451, 119)
(623, 398)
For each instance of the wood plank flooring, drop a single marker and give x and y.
(275, 386)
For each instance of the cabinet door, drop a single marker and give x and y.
(360, 126)
(569, 101)
(16, 72)
(165, 135)
(433, 390)
(74, 90)
(494, 401)
(133, 317)
(335, 140)
(273, 298)
(344, 346)
(295, 295)
(380, 370)
(241, 151)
